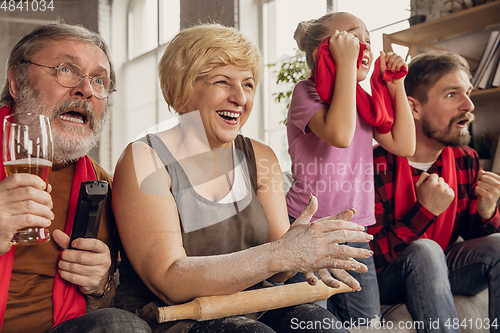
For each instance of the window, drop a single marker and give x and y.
(170, 19)
(151, 23)
(143, 27)
(280, 20)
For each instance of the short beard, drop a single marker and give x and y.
(67, 147)
(444, 137)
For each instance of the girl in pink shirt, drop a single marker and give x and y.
(330, 144)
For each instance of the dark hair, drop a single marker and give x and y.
(38, 39)
(426, 69)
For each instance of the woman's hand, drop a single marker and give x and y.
(314, 246)
(341, 274)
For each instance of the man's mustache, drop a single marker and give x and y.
(469, 116)
(76, 105)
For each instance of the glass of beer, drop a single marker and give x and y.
(27, 148)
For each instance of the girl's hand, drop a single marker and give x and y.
(344, 47)
(392, 61)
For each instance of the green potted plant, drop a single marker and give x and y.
(291, 71)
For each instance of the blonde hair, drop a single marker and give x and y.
(310, 34)
(194, 52)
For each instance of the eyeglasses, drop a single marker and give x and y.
(70, 75)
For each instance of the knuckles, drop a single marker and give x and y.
(29, 219)
(341, 250)
(81, 257)
(340, 235)
(28, 205)
(316, 227)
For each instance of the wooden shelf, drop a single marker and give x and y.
(454, 24)
(485, 92)
(482, 96)
(457, 23)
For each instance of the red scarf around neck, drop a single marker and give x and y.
(377, 109)
(405, 197)
(67, 300)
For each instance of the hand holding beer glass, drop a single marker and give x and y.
(27, 148)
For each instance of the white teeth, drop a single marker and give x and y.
(229, 114)
(75, 120)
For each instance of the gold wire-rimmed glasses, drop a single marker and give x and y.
(70, 75)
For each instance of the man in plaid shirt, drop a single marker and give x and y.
(425, 202)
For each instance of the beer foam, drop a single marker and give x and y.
(29, 161)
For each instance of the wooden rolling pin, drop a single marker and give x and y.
(250, 301)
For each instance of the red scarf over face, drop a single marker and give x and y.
(67, 300)
(405, 197)
(376, 110)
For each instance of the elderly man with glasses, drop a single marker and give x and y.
(63, 72)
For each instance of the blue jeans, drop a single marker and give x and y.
(474, 265)
(109, 320)
(292, 319)
(364, 304)
(426, 278)
(361, 305)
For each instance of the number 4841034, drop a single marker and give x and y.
(471, 324)
(25, 5)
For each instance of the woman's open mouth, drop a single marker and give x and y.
(229, 116)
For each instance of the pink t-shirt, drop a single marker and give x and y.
(341, 178)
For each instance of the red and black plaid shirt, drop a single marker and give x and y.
(387, 243)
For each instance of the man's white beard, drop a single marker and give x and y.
(67, 147)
